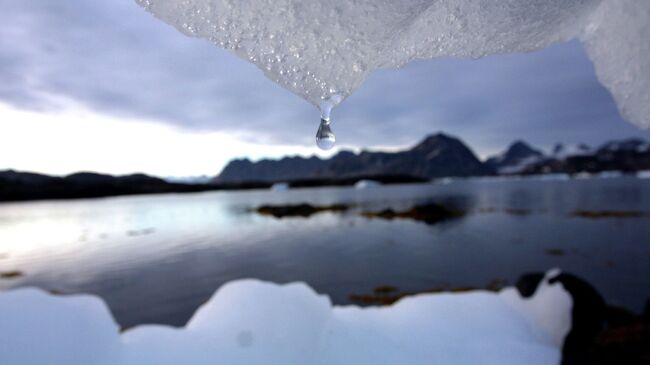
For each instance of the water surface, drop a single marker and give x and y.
(156, 258)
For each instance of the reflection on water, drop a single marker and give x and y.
(154, 259)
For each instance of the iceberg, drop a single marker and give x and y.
(366, 184)
(254, 322)
(280, 186)
(322, 50)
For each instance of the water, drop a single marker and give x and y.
(156, 258)
(325, 138)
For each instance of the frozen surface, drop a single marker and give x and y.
(324, 49)
(254, 322)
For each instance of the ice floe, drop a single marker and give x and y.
(255, 322)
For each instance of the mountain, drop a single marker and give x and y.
(562, 151)
(438, 155)
(515, 158)
(288, 168)
(627, 155)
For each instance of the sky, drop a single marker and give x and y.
(104, 86)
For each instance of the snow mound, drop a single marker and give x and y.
(254, 322)
(324, 49)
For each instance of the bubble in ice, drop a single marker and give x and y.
(321, 48)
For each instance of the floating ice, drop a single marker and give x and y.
(322, 48)
(252, 322)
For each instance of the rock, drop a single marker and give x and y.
(298, 210)
(10, 274)
(587, 319)
(428, 213)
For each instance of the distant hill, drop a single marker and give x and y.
(438, 155)
(515, 158)
(15, 185)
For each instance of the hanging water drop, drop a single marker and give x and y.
(325, 139)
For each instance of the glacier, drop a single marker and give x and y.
(254, 322)
(322, 50)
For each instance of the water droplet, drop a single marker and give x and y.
(325, 138)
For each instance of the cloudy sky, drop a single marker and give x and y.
(102, 85)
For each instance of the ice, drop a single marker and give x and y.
(39, 328)
(324, 49)
(254, 322)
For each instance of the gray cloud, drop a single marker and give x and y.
(115, 58)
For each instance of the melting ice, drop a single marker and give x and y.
(321, 48)
(248, 322)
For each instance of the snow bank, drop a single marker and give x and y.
(324, 49)
(254, 322)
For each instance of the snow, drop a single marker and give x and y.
(520, 165)
(325, 49)
(550, 309)
(255, 322)
(562, 151)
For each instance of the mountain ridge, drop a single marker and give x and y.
(437, 155)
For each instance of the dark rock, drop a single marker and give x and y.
(10, 274)
(298, 210)
(624, 344)
(587, 319)
(587, 315)
(428, 213)
(604, 214)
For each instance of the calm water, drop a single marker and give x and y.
(155, 259)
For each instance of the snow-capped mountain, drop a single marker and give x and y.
(627, 155)
(515, 159)
(562, 151)
(626, 145)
